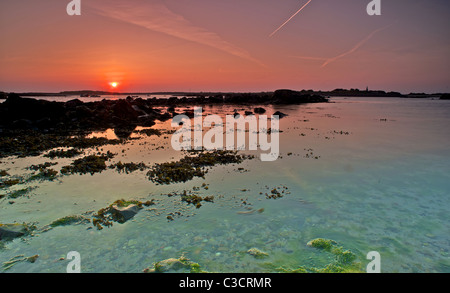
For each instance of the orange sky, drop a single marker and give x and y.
(209, 45)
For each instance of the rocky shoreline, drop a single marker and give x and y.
(74, 115)
(42, 125)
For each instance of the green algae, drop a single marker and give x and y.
(70, 220)
(321, 243)
(344, 260)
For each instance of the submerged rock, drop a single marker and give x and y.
(11, 231)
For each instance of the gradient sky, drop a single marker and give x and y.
(224, 45)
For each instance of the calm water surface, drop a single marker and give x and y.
(372, 174)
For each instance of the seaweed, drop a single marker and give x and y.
(195, 199)
(90, 164)
(44, 174)
(41, 167)
(69, 220)
(193, 166)
(9, 182)
(128, 167)
(70, 153)
(19, 193)
(33, 143)
(149, 132)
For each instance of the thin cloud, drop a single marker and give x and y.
(352, 50)
(289, 19)
(157, 17)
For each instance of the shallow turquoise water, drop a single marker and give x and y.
(381, 182)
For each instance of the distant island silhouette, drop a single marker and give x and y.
(334, 93)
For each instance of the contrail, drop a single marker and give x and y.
(356, 47)
(298, 11)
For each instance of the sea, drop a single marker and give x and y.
(372, 174)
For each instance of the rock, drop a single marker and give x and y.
(445, 97)
(125, 213)
(294, 97)
(174, 265)
(280, 114)
(124, 110)
(259, 110)
(11, 231)
(255, 252)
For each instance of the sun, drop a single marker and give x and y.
(114, 84)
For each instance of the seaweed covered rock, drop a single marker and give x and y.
(174, 265)
(119, 211)
(344, 259)
(321, 243)
(256, 253)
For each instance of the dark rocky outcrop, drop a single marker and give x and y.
(294, 97)
(11, 231)
(279, 114)
(445, 97)
(259, 110)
